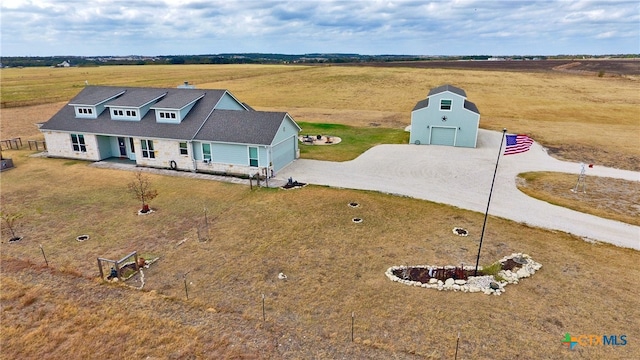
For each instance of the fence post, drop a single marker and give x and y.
(352, 321)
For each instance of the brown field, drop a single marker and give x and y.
(609, 198)
(334, 267)
(582, 118)
(613, 67)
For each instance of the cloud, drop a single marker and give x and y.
(154, 27)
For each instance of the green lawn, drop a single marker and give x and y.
(355, 140)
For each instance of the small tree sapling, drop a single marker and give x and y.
(10, 220)
(140, 188)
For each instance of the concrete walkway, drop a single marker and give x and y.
(462, 177)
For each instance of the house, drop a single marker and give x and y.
(190, 129)
(445, 117)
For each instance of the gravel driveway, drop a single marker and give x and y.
(462, 177)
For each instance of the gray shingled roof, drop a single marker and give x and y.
(137, 97)
(421, 104)
(178, 100)
(471, 106)
(94, 95)
(447, 87)
(250, 127)
(245, 127)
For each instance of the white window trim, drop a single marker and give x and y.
(118, 113)
(450, 105)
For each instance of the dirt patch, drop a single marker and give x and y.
(621, 67)
(593, 155)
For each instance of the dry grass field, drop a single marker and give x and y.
(581, 118)
(334, 267)
(609, 198)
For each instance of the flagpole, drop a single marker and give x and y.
(486, 213)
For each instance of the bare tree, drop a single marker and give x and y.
(11, 222)
(140, 188)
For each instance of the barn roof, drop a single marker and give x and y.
(447, 87)
(471, 106)
(421, 104)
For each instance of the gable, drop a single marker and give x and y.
(229, 102)
(287, 129)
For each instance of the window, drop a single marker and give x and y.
(173, 115)
(147, 149)
(253, 156)
(77, 141)
(183, 149)
(206, 152)
(445, 104)
(162, 115)
(133, 148)
(133, 113)
(128, 112)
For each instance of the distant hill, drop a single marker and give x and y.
(260, 58)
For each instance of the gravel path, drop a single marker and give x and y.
(462, 177)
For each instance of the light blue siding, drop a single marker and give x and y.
(186, 109)
(106, 145)
(227, 102)
(284, 153)
(230, 154)
(286, 130)
(429, 127)
(196, 150)
(145, 109)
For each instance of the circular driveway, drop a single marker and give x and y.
(462, 177)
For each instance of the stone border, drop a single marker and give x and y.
(473, 283)
(145, 213)
(463, 232)
(82, 238)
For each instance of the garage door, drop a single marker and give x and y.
(443, 136)
(284, 153)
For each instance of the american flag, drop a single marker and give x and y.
(517, 144)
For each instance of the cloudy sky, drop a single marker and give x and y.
(422, 27)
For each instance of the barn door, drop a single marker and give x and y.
(443, 136)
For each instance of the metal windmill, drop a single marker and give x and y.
(580, 184)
